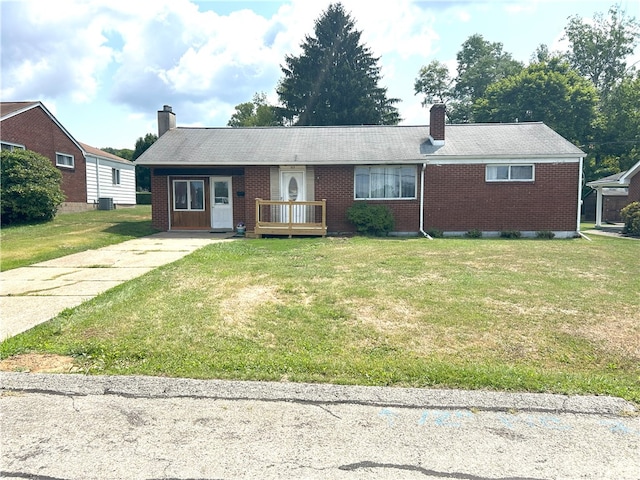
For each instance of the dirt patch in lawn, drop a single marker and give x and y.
(39, 363)
(619, 333)
(238, 307)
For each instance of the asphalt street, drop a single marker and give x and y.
(85, 427)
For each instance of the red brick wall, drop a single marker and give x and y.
(36, 131)
(239, 203)
(256, 185)
(335, 184)
(634, 188)
(459, 199)
(242, 206)
(159, 202)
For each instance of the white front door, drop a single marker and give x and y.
(292, 188)
(221, 203)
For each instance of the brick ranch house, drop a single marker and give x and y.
(625, 183)
(87, 172)
(489, 177)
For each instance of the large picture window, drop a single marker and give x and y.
(188, 195)
(385, 182)
(509, 173)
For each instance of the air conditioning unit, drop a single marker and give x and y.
(105, 203)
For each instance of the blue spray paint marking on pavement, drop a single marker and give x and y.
(389, 414)
(616, 426)
(550, 422)
(443, 418)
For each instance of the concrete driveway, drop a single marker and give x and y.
(37, 293)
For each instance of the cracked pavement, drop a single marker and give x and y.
(37, 293)
(71, 427)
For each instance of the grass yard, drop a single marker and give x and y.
(522, 315)
(70, 233)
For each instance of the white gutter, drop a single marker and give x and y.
(424, 166)
(580, 195)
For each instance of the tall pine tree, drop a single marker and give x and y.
(335, 80)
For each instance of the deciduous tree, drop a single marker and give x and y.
(143, 175)
(549, 92)
(598, 49)
(256, 113)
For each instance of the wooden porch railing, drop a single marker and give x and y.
(289, 218)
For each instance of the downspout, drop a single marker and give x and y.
(424, 166)
(580, 202)
(97, 179)
(580, 195)
(169, 192)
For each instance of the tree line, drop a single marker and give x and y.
(587, 94)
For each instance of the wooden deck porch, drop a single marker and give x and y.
(290, 218)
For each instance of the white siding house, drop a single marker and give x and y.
(109, 176)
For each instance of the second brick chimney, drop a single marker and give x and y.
(436, 123)
(166, 120)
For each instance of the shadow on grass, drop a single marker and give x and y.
(140, 228)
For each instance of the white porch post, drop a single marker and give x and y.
(599, 207)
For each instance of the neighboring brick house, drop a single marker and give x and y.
(29, 125)
(489, 177)
(624, 182)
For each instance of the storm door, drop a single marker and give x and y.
(221, 203)
(292, 188)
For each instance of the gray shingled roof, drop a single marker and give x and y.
(352, 145)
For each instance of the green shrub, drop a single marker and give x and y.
(143, 198)
(631, 218)
(371, 219)
(510, 234)
(475, 233)
(31, 187)
(545, 234)
(435, 233)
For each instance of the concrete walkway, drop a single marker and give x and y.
(37, 293)
(610, 230)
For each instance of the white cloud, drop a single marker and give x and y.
(47, 54)
(142, 54)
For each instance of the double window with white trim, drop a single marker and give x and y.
(188, 195)
(64, 160)
(510, 173)
(385, 182)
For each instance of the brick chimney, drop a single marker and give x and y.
(436, 123)
(166, 120)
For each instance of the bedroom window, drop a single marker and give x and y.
(510, 173)
(64, 160)
(115, 176)
(384, 183)
(11, 146)
(188, 195)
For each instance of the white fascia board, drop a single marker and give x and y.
(630, 173)
(22, 110)
(50, 115)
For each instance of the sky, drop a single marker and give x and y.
(105, 67)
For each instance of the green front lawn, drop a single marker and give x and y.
(70, 233)
(521, 315)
